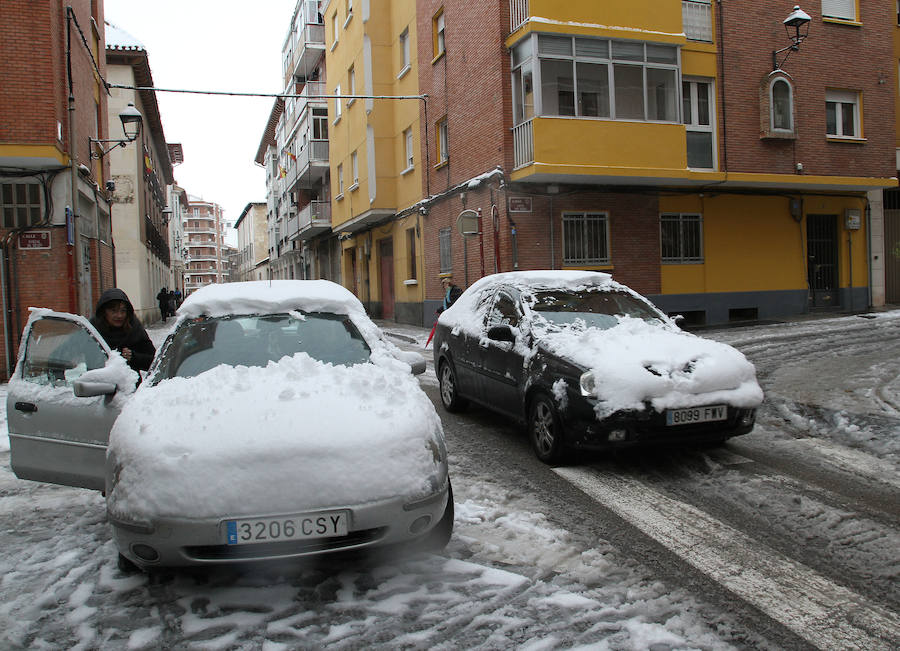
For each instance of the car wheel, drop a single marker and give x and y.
(450, 397)
(545, 430)
(439, 536)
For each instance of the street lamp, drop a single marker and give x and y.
(131, 125)
(797, 27)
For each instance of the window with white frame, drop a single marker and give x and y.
(446, 263)
(842, 114)
(340, 180)
(437, 27)
(681, 238)
(337, 103)
(334, 30)
(585, 238)
(320, 124)
(351, 84)
(523, 82)
(696, 16)
(408, 139)
(354, 168)
(590, 77)
(404, 52)
(781, 98)
(20, 204)
(443, 141)
(840, 9)
(697, 107)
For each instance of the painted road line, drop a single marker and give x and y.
(822, 612)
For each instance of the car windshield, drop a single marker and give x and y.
(594, 307)
(201, 344)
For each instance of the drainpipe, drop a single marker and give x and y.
(8, 338)
(869, 251)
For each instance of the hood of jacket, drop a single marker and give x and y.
(109, 295)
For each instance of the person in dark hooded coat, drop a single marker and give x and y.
(114, 319)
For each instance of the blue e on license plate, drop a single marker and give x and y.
(324, 524)
(691, 415)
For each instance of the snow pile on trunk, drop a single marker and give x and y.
(294, 436)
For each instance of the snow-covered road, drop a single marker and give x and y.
(512, 577)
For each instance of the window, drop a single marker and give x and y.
(443, 141)
(782, 105)
(411, 250)
(681, 238)
(320, 124)
(842, 114)
(587, 77)
(585, 238)
(58, 351)
(340, 180)
(351, 84)
(444, 247)
(404, 53)
(697, 98)
(437, 28)
(840, 9)
(20, 204)
(503, 312)
(337, 103)
(408, 139)
(354, 168)
(334, 30)
(696, 16)
(522, 83)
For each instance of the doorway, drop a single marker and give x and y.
(386, 258)
(822, 260)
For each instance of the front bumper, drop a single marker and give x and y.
(648, 426)
(173, 542)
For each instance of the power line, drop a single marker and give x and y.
(275, 95)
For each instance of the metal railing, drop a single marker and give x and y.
(696, 16)
(518, 14)
(314, 211)
(523, 144)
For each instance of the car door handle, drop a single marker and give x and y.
(26, 406)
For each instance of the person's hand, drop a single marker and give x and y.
(126, 353)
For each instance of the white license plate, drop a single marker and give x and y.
(691, 415)
(288, 527)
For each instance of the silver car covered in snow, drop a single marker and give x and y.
(276, 422)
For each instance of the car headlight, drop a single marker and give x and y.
(586, 382)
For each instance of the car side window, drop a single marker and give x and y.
(58, 351)
(503, 312)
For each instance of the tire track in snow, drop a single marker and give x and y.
(822, 612)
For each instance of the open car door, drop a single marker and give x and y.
(56, 436)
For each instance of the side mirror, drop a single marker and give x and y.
(415, 360)
(89, 389)
(501, 333)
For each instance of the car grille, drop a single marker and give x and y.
(282, 549)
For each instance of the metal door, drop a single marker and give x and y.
(822, 260)
(892, 250)
(386, 250)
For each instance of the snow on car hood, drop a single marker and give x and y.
(294, 436)
(636, 361)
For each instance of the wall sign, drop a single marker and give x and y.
(520, 204)
(34, 240)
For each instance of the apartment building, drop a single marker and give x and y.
(55, 231)
(294, 150)
(252, 259)
(204, 238)
(141, 175)
(176, 214)
(888, 264)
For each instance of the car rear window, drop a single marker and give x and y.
(204, 343)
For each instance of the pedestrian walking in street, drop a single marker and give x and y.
(451, 291)
(114, 319)
(172, 303)
(163, 299)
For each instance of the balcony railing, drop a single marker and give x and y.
(523, 144)
(315, 211)
(518, 14)
(696, 16)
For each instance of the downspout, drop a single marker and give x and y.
(869, 251)
(722, 89)
(8, 338)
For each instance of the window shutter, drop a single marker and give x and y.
(845, 9)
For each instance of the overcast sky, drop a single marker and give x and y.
(223, 46)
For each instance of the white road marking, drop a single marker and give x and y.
(822, 612)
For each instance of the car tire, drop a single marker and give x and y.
(545, 429)
(449, 389)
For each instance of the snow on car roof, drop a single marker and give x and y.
(267, 297)
(560, 278)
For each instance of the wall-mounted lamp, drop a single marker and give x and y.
(166, 215)
(131, 125)
(797, 27)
